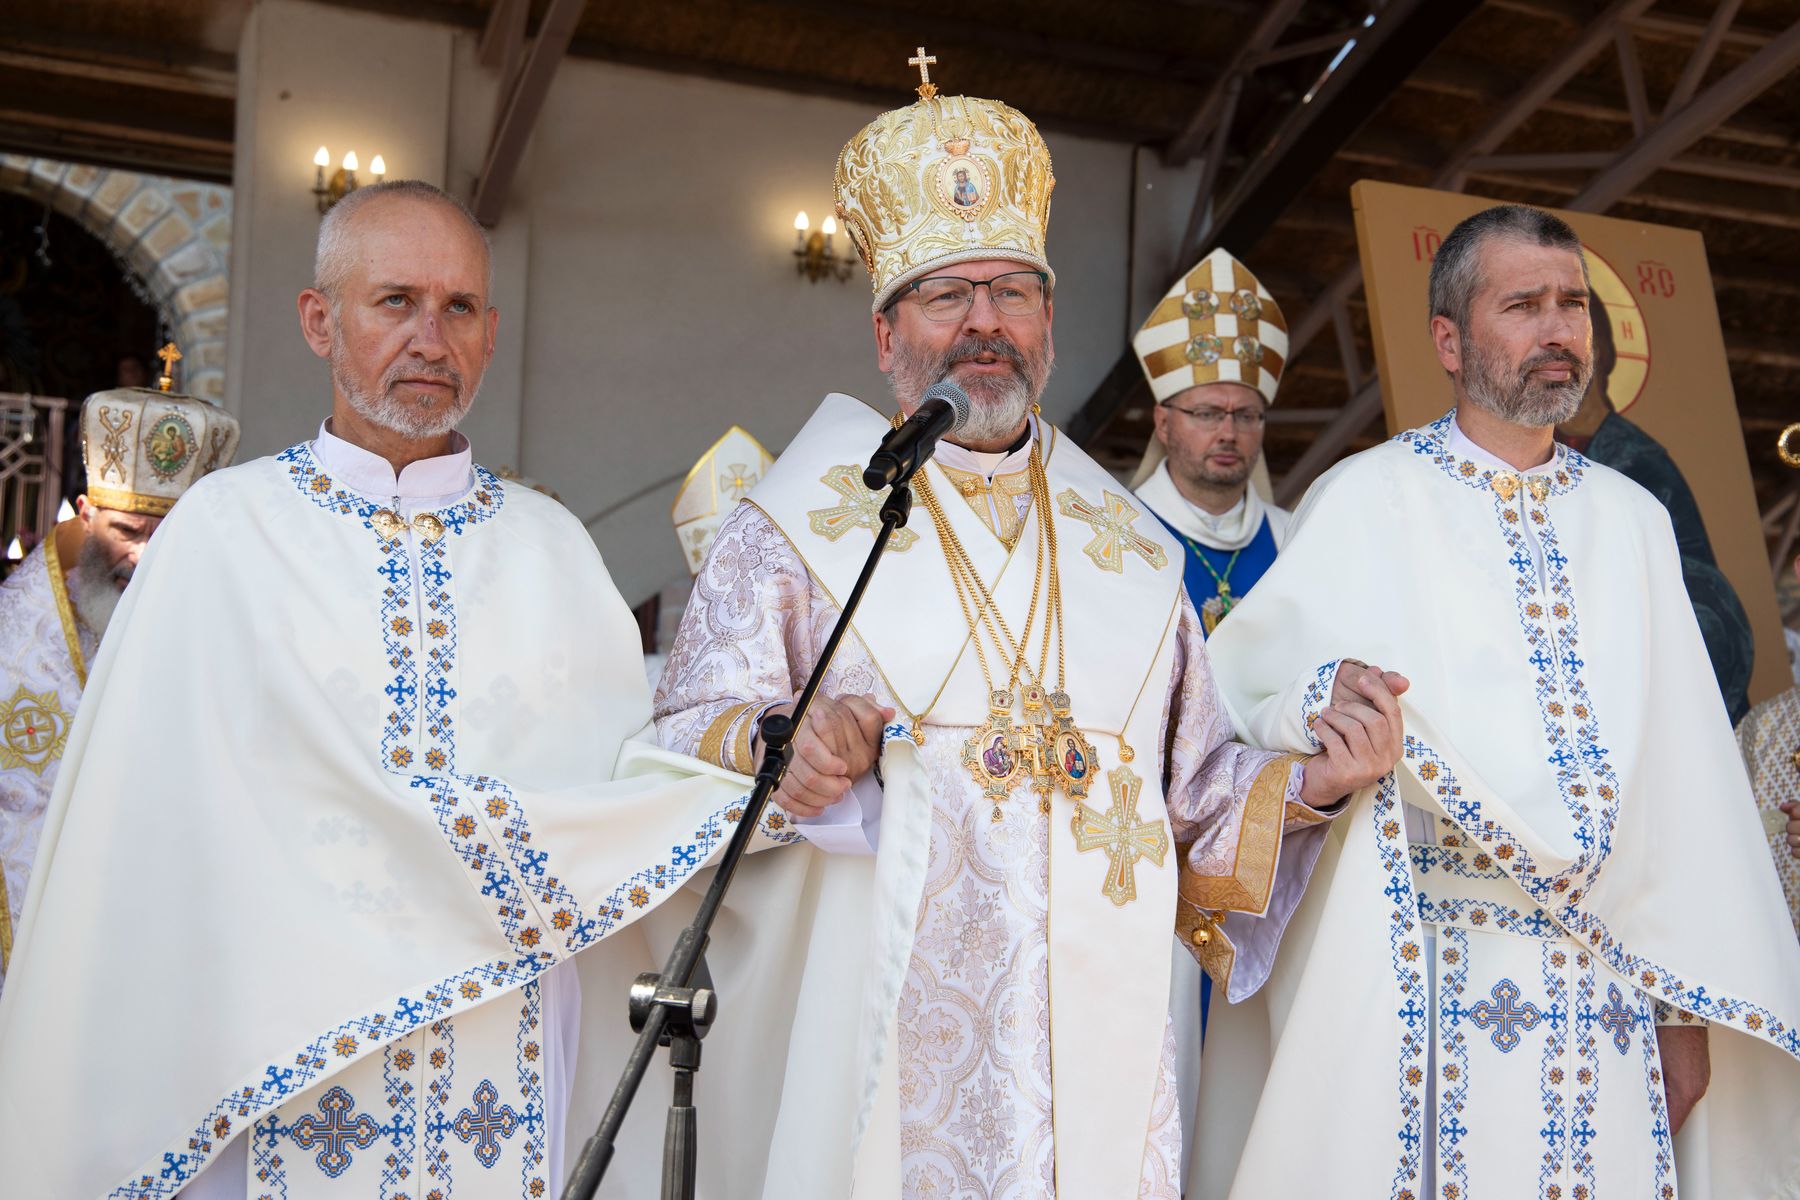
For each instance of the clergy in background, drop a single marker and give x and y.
(1213, 350)
(343, 804)
(1769, 738)
(1539, 937)
(1057, 790)
(143, 449)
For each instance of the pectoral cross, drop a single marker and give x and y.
(170, 356)
(1122, 835)
(924, 62)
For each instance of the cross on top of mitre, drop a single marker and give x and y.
(170, 356)
(924, 62)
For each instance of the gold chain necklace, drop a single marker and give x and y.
(1047, 746)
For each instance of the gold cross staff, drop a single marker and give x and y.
(170, 356)
(924, 62)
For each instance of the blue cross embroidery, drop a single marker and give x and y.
(408, 1010)
(392, 570)
(1540, 660)
(1556, 558)
(1452, 1131)
(278, 1080)
(434, 571)
(1519, 561)
(1537, 923)
(1411, 1013)
(1584, 1133)
(401, 690)
(175, 1167)
(442, 692)
(481, 1124)
(1618, 1019)
(685, 856)
(1395, 890)
(342, 1129)
(1505, 1016)
(1562, 759)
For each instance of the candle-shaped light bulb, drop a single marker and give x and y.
(322, 158)
(65, 513)
(350, 160)
(800, 222)
(14, 550)
(800, 227)
(377, 168)
(829, 227)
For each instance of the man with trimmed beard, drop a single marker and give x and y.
(353, 791)
(1550, 958)
(143, 448)
(1212, 351)
(1020, 729)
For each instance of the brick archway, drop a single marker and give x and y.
(174, 235)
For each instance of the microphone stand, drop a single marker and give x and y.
(668, 1009)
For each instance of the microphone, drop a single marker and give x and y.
(943, 410)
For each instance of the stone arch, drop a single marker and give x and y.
(174, 235)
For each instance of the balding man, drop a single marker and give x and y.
(349, 799)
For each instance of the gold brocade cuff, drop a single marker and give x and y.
(1205, 939)
(712, 744)
(1246, 887)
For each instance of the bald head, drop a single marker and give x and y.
(393, 208)
(400, 308)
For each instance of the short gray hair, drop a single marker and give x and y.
(1456, 268)
(331, 256)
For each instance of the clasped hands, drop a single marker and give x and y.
(1361, 732)
(836, 745)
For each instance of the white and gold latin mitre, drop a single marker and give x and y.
(1217, 323)
(724, 475)
(945, 180)
(144, 448)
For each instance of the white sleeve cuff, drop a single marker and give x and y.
(852, 825)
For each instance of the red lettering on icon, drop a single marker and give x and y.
(1655, 279)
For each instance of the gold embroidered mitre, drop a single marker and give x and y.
(1218, 323)
(948, 179)
(144, 448)
(724, 475)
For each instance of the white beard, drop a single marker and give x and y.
(92, 591)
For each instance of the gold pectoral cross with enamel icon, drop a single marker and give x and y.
(1122, 835)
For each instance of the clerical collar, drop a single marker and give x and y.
(1458, 443)
(427, 483)
(989, 463)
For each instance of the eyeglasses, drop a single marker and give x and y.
(948, 298)
(1212, 418)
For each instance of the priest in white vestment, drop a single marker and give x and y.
(1524, 953)
(1056, 790)
(143, 449)
(343, 806)
(1769, 739)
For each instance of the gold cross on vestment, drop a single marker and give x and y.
(861, 509)
(170, 356)
(1113, 534)
(924, 62)
(1121, 834)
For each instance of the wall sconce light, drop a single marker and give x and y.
(327, 192)
(814, 256)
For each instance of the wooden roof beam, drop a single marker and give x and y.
(521, 100)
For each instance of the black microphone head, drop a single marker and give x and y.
(955, 397)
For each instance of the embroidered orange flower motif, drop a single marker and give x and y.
(640, 896)
(345, 1045)
(530, 936)
(496, 807)
(435, 759)
(403, 1059)
(401, 756)
(563, 918)
(470, 989)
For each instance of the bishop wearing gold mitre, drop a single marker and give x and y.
(1019, 779)
(1212, 351)
(143, 448)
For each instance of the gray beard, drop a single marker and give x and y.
(1519, 400)
(997, 407)
(387, 411)
(92, 590)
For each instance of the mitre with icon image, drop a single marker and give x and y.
(724, 475)
(144, 447)
(947, 179)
